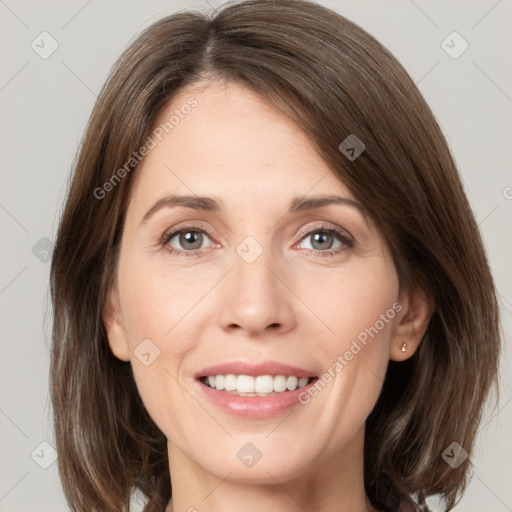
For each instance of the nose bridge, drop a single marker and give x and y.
(254, 297)
(253, 279)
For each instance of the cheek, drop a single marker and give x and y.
(162, 327)
(354, 301)
(359, 308)
(157, 301)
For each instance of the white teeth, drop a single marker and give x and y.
(302, 382)
(230, 382)
(219, 382)
(262, 385)
(279, 383)
(245, 384)
(291, 383)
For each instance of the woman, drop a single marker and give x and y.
(255, 369)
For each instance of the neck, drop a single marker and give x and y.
(329, 485)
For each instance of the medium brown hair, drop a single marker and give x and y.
(333, 79)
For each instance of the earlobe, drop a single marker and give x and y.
(116, 334)
(401, 350)
(411, 324)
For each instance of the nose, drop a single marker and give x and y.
(255, 298)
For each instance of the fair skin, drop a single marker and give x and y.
(293, 305)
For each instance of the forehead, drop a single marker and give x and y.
(232, 143)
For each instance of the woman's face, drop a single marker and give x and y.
(266, 286)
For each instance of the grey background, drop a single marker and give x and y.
(46, 102)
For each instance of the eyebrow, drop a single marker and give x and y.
(210, 204)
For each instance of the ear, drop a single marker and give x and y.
(411, 322)
(116, 332)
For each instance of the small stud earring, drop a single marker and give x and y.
(404, 347)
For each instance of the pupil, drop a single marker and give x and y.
(321, 237)
(189, 237)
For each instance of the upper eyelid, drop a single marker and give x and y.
(192, 227)
(318, 227)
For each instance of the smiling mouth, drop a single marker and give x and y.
(256, 386)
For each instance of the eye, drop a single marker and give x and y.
(189, 241)
(327, 241)
(185, 241)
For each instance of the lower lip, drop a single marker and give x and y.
(254, 407)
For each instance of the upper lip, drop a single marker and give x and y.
(254, 369)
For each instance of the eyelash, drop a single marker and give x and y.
(346, 240)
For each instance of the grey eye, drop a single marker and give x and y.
(321, 240)
(189, 239)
